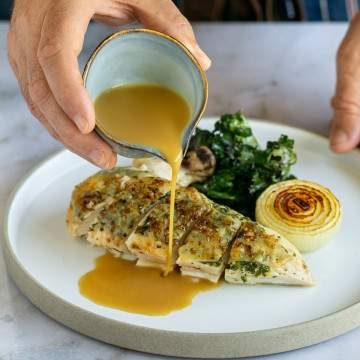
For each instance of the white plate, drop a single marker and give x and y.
(46, 263)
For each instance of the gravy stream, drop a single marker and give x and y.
(151, 115)
(121, 284)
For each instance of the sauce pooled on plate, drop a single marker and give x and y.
(120, 284)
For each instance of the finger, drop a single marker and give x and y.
(114, 15)
(18, 64)
(89, 146)
(88, 149)
(109, 20)
(345, 125)
(163, 16)
(11, 52)
(21, 76)
(61, 39)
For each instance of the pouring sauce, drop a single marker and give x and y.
(155, 116)
(151, 115)
(120, 284)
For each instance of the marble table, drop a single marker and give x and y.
(284, 73)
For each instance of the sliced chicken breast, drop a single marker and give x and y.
(126, 211)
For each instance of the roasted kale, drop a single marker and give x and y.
(243, 169)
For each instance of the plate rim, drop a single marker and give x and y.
(172, 342)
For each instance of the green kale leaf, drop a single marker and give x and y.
(243, 169)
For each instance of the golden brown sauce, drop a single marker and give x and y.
(151, 115)
(121, 284)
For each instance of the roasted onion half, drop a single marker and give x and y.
(306, 213)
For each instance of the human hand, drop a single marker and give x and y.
(345, 125)
(44, 41)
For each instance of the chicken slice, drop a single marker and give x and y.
(205, 251)
(260, 255)
(96, 192)
(104, 210)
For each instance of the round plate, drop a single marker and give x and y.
(230, 321)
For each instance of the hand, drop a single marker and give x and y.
(345, 125)
(44, 41)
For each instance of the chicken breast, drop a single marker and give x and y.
(260, 255)
(150, 242)
(126, 211)
(205, 251)
(106, 208)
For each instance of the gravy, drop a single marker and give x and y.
(121, 284)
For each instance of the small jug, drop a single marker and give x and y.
(145, 56)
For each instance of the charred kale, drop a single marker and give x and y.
(243, 170)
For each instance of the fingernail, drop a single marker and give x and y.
(339, 136)
(98, 157)
(81, 123)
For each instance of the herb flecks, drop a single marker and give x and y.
(251, 267)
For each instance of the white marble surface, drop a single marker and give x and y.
(280, 72)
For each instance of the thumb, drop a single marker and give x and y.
(345, 125)
(345, 128)
(164, 16)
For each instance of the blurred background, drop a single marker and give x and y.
(254, 10)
